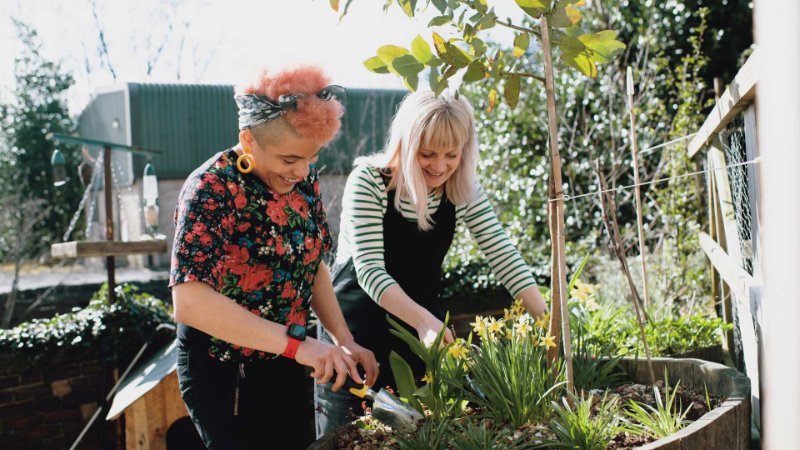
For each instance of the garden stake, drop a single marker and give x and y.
(610, 222)
(638, 196)
(559, 317)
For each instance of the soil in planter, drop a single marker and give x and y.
(368, 434)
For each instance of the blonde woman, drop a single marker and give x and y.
(400, 209)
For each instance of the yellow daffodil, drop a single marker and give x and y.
(548, 341)
(543, 321)
(496, 326)
(458, 350)
(523, 328)
(428, 377)
(479, 326)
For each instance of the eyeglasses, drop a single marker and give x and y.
(289, 101)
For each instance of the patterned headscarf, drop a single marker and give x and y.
(256, 109)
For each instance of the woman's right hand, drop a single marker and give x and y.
(428, 328)
(327, 359)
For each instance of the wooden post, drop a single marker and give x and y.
(107, 191)
(559, 318)
(639, 220)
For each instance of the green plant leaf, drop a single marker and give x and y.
(441, 5)
(534, 8)
(404, 377)
(407, 65)
(486, 21)
(421, 50)
(449, 53)
(475, 72)
(404, 335)
(478, 47)
(411, 81)
(440, 20)
(521, 43)
(408, 6)
(480, 5)
(565, 14)
(603, 44)
(375, 64)
(566, 42)
(581, 61)
(511, 90)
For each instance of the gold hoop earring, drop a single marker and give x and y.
(245, 157)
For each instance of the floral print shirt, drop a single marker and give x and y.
(257, 247)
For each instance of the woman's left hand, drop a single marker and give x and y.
(365, 358)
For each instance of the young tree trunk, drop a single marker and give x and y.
(559, 318)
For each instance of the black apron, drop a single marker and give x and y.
(414, 259)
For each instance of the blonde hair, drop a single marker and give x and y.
(425, 120)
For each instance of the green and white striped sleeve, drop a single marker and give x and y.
(504, 259)
(363, 206)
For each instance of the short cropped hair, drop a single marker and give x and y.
(315, 119)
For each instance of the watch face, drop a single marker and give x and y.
(297, 331)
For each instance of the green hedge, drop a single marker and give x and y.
(113, 332)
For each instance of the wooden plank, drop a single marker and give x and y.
(742, 285)
(727, 212)
(136, 435)
(157, 417)
(81, 249)
(176, 409)
(740, 93)
(719, 290)
(729, 269)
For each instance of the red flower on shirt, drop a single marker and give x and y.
(276, 212)
(255, 278)
(237, 258)
(298, 204)
(288, 290)
(240, 201)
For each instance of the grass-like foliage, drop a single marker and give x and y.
(664, 419)
(587, 424)
(509, 375)
(434, 434)
(485, 436)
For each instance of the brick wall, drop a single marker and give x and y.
(47, 408)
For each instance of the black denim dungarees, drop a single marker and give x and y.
(414, 259)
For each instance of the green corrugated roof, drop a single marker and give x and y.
(189, 123)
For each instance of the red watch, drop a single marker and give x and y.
(297, 334)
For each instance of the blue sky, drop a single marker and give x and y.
(209, 41)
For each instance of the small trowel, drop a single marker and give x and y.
(386, 407)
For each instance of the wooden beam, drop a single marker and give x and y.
(742, 287)
(81, 249)
(716, 158)
(740, 93)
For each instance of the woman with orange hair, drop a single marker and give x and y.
(247, 268)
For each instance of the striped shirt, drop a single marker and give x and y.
(364, 204)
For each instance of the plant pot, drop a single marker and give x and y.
(711, 353)
(726, 427)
